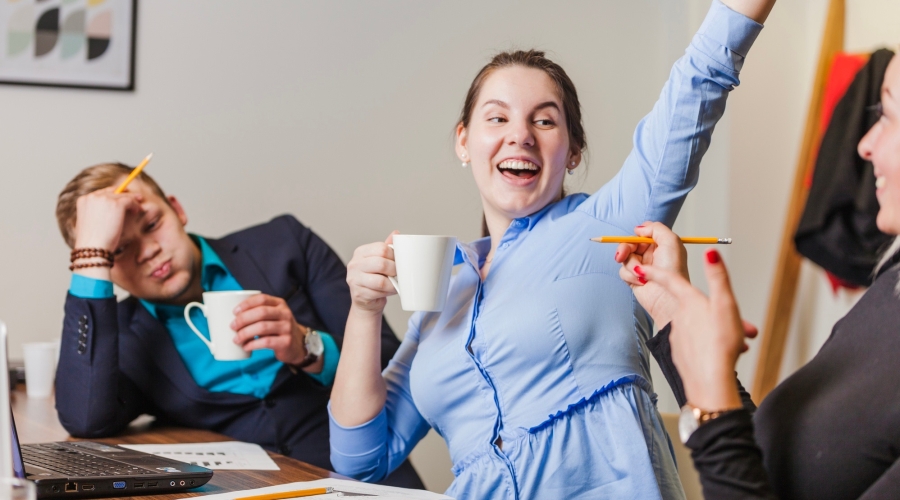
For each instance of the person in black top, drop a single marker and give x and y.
(829, 431)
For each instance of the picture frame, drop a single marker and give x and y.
(87, 44)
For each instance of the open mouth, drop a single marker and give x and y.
(519, 169)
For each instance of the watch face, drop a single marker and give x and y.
(687, 423)
(314, 343)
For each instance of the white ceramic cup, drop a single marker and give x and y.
(424, 264)
(13, 488)
(218, 307)
(40, 368)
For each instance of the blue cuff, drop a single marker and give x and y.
(359, 441)
(732, 30)
(90, 288)
(329, 367)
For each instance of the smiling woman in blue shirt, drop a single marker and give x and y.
(536, 373)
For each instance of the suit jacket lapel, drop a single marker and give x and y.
(242, 266)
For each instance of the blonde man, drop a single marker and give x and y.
(122, 359)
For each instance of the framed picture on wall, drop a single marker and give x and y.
(68, 43)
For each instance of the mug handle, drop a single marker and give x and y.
(187, 318)
(394, 278)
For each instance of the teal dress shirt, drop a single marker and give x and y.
(252, 376)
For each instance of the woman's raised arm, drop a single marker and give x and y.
(758, 10)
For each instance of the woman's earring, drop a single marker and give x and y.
(465, 162)
(572, 170)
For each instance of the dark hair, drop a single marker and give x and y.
(532, 59)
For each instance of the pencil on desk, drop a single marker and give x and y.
(134, 173)
(290, 494)
(641, 239)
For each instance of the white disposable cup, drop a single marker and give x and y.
(14, 488)
(218, 307)
(40, 368)
(424, 264)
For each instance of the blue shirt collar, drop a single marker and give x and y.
(476, 251)
(211, 267)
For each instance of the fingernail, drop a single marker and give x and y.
(617, 256)
(639, 271)
(712, 256)
(638, 227)
(233, 325)
(237, 310)
(642, 281)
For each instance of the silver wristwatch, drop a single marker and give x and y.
(314, 348)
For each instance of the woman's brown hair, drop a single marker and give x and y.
(532, 59)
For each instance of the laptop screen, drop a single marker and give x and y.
(18, 465)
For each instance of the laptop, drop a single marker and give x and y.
(88, 469)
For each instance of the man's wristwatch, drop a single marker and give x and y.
(692, 418)
(314, 348)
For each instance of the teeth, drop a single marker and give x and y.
(880, 182)
(518, 165)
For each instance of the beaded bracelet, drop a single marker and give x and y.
(89, 253)
(90, 264)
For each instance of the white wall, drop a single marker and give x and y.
(341, 113)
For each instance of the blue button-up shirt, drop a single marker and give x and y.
(548, 352)
(253, 376)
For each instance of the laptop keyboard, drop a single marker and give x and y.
(69, 462)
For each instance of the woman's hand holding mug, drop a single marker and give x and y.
(368, 276)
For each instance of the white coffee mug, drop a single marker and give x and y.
(424, 264)
(218, 307)
(40, 368)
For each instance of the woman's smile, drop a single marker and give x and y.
(519, 171)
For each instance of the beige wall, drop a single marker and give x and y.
(341, 113)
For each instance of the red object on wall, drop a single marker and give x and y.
(844, 68)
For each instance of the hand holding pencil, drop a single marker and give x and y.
(665, 250)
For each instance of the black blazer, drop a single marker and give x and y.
(117, 361)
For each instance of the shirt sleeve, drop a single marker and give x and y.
(330, 361)
(90, 288)
(728, 460)
(371, 451)
(670, 141)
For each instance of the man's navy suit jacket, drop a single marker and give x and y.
(117, 361)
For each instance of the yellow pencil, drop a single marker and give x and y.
(685, 239)
(290, 494)
(134, 173)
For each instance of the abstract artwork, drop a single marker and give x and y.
(68, 43)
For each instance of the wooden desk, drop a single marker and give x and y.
(37, 422)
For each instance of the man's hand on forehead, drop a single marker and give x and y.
(101, 217)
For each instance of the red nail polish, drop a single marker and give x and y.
(642, 281)
(713, 257)
(638, 227)
(617, 256)
(639, 271)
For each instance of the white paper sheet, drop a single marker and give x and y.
(226, 455)
(343, 488)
